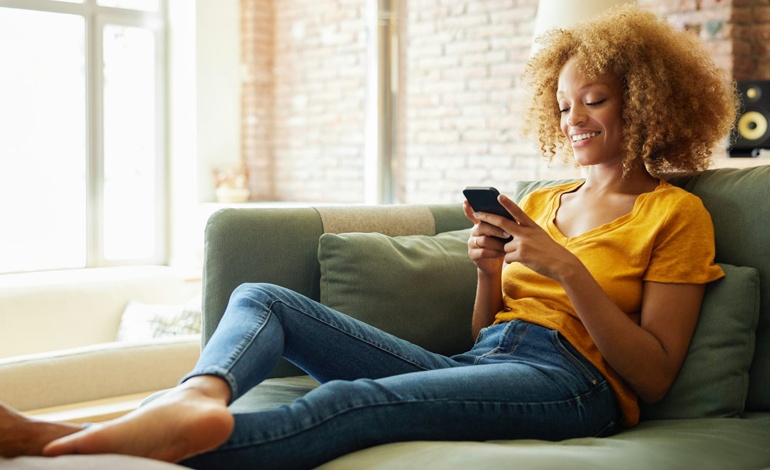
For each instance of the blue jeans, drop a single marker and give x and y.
(519, 381)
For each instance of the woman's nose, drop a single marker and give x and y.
(576, 117)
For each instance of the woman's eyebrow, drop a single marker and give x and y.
(561, 92)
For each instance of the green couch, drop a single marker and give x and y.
(280, 246)
(724, 426)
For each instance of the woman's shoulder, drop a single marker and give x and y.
(547, 191)
(676, 202)
(539, 198)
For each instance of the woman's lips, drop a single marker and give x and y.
(583, 142)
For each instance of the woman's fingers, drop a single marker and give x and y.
(488, 230)
(469, 212)
(499, 222)
(515, 211)
(483, 242)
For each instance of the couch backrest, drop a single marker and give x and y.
(739, 203)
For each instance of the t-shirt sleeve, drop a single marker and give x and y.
(524, 203)
(683, 250)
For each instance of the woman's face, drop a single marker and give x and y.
(591, 107)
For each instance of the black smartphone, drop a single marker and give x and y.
(484, 199)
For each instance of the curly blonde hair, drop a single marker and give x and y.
(677, 104)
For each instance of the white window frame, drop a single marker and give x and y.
(96, 17)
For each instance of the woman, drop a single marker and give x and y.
(591, 305)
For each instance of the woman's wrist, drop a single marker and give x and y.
(486, 275)
(570, 271)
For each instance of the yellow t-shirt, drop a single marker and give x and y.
(667, 237)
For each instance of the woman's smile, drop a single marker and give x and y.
(583, 141)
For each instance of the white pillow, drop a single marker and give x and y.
(141, 322)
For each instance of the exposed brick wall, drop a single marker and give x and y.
(751, 35)
(710, 20)
(459, 93)
(463, 103)
(257, 95)
(304, 99)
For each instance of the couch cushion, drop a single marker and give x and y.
(373, 277)
(714, 378)
(715, 443)
(705, 444)
(739, 203)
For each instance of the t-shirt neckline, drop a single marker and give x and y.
(556, 204)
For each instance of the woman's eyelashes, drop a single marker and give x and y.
(589, 104)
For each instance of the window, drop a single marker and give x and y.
(82, 158)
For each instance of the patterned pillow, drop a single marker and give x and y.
(141, 322)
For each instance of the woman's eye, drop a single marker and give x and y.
(589, 104)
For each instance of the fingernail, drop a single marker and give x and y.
(503, 197)
(506, 235)
(476, 214)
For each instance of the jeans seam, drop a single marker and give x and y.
(605, 429)
(252, 335)
(494, 352)
(232, 360)
(571, 358)
(515, 345)
(576, 398)
(363, 340)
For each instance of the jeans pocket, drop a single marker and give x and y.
(565, 349)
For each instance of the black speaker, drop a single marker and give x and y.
(753, 123)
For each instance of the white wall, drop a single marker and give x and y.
(204, 113)
(218, 53)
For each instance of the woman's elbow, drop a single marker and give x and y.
(655, 392)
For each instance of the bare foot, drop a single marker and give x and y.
(23, 435)
(182, 423)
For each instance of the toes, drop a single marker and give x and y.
(59, 447)
(70, 444)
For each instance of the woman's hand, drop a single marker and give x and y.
(531, 245)
(486, 252)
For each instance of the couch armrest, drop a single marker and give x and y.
(54, 310)
(94, 372)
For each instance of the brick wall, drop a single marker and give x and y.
(304, 108)
(463, 101)
(751, 36)
(459, 92)
(257, 95)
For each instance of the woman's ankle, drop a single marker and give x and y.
(209, 385)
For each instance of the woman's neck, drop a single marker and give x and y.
(608, 180)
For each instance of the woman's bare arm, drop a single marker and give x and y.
(648, 357)
(489, 301)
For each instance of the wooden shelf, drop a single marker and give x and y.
(91, 411)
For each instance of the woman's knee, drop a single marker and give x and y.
(258, 291)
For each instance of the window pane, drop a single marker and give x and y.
(146, 5)
(130, 194)
(43, 144)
